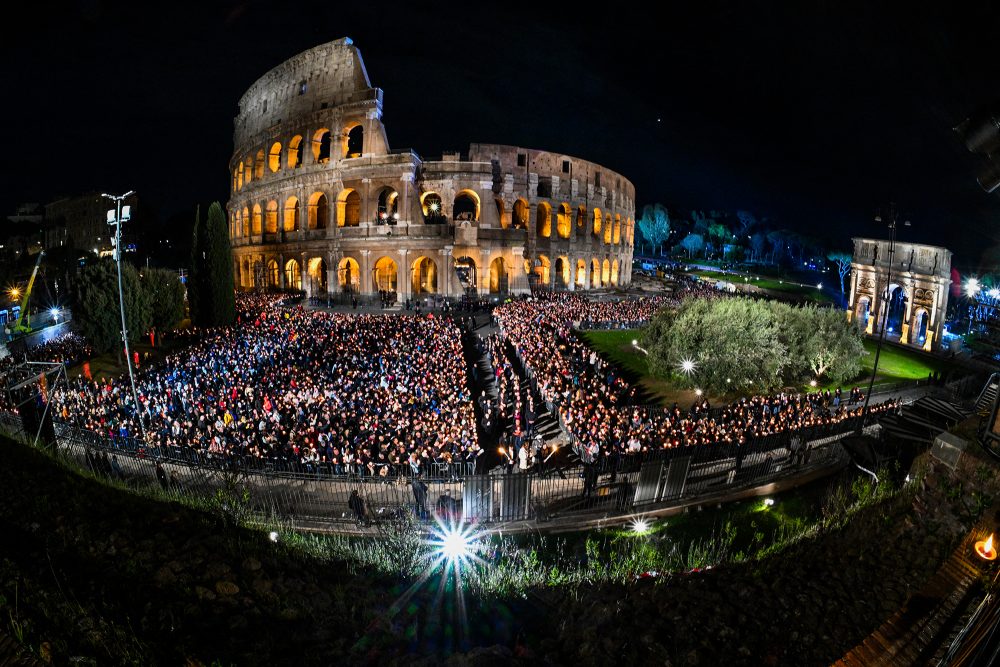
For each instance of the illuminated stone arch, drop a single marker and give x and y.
(501, 213)
(581, 217)
(317, 276)
(542, 268)
(235, 185)
(247, 172)
(387, 206)
(432, 207)
(607, 230)
(543, 220)
(349, 275)
(271, 218)
(466, 206)
(424, 276)
(239, 176)
(293, 274)
(921, 322)
(595, 272)
(246, 273)
(564, 221)
(271, 274)
(519, 214)
(354, 140)
(256, 227)
(597, 222)
(581, 273)
(291, 217)
(258, 165)
(295, 152)
(274, 157)
(385, 275)
(605, 273)
(318, 212)
(562, 269)
(246, 222)
(321, 145)
(614, 272)
(348, 208)
(499, 278)
(617, 235)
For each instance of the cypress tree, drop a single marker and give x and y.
(214, 300)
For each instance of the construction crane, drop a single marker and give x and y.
(23, 324)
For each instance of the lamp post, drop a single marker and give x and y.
(116, 217)
(891, 222)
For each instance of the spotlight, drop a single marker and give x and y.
(769, 502)
(640, 526)
(819, 286)
(54, 312)
(697, 392)
(688, 366)
(273, 536)
(635, 341)
(812, 383)
(453, 543)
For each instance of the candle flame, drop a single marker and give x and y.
(988, 547)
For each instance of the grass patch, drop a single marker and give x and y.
(807, 292)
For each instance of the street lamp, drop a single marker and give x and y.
(116, 217)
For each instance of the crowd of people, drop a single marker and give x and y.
(604, 413)
(373, 395)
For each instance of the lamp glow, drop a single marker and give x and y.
(697, 392)
(985, 548)
(54, 312)
(812, 383)
(640, 526)
(972, 287)
(994, 293)
(453, 543)
(688, 366)
(273, 536)
(769, 502)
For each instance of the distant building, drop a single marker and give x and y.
(79, 221)
(911, 302)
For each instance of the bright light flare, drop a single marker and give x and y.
(454, 544)
(698, 392)
(972, 287)
(273, 536)
(769, 502)
(993, 293)
(688, 366)
(54, 312)
(640, 526)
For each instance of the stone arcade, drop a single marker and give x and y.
(320, 202)
(912, 306)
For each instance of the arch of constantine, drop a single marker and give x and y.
(912, 302)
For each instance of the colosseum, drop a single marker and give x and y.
(320, 203)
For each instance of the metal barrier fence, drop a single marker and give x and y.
(613, 486)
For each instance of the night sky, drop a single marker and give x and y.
(811, 116)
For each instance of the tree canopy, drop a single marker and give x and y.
(211, 291)
(755, 345)
(654, 225)
(96, 308)
(166, 298)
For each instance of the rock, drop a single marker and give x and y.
(226, 588)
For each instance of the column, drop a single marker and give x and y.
(572, 271)
(404, 277)
(404, 207)
(281, 271)
(331, 273)
(307, 285)
(366, 214)
(366, 273)
(446, 285)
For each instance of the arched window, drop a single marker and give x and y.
(617, 235)
(597, 222)
(424, 276)
(349, 275)
(295, 152)
(355, 142)
(235, 182)
(519, 216)
(274, 157)
(321, 145)
(607, 230)
(499, 280)
(564, 224)
(501, 214)
(291, 214)
(319, 211)
(256, 227)
(247, 172)
(543, 220)
(466, 206)
(581, 273)
(387, 213)
(258, 165)
(606, 273)
(303, 87)
(581, 217)
(271, 220)
(542, 267)
(432, 207)
(385, 275)
(293, 275)
(562, 272)
(349, 208)
(239, 177)
(317, 276)
(614, 272)
(271, 276)
(595, 273)
(246, 222)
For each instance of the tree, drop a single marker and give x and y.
(843, 262)
(96, 309)
(654, 224)
(214, 300)
(833, 346)
(747, 222)
(778, 244)
(693, 243)
(757, 243)
(166, 298)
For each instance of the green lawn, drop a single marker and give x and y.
(809, 292)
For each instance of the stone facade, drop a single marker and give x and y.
(320, 203)
(912, 302)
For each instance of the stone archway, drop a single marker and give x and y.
(424, 276)
(499, 278)
(385, 275)
(349, 275)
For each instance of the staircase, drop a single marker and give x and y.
(984, 403)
